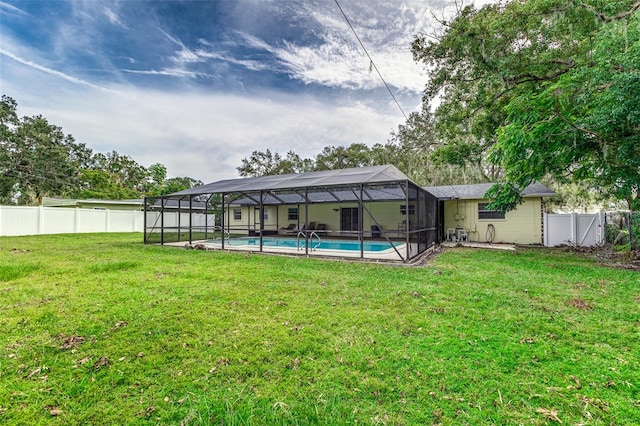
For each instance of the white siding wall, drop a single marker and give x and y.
(522, 225)
(387, 215)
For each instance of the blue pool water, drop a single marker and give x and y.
(374, 246)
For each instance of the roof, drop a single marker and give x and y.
(136, 202)
(477, 191)
(67, 202)
(321, 179)
(184, 204)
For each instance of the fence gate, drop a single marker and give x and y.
(582, 230)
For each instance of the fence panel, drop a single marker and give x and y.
(27, 220)
(19, 220)
(91, 220)
(57, 221)
(584, 230)
(123, 221)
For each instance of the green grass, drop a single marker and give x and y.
(101, 329)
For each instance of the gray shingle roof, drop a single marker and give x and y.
(477, 191)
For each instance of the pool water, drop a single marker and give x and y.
(373, 246)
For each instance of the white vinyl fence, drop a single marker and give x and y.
(581, 230)
(26, 220)
(171, 220)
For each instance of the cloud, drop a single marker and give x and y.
(8, 8)
(333, 57)
(195, 133)
(114, 18)
(51, 71)
(191, 126)
(169, 72)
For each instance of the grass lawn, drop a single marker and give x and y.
(100, 329)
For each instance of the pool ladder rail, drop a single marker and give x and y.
(303, 234)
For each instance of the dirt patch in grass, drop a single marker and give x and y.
(580, 304)
(71, 342)
(606, 255)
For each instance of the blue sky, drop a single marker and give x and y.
(199, 85)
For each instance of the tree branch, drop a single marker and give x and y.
(526, 78)
(606, 18)
(578, 128)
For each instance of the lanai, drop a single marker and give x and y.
(383, 202)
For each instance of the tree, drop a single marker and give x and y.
(8, 121)
(179, 184)
(37, 158)
(267, 163)
(545, 88)
(124, 170)
(340, 157)
(417, 150)
(100, 184)
(157, 176)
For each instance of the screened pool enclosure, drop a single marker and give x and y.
(370, 213)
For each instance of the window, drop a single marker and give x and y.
(485, 213)
(237, 214)
(403, 209)
(265, 215)
(293, 213)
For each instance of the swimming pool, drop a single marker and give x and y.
(370, 246)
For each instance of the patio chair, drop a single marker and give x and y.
(295, 230)
(321, 229)
(290, 228)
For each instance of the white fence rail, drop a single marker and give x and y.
(582, 230)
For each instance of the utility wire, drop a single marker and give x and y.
(371, 60)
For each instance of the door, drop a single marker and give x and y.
(349, 219)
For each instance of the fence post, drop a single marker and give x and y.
(601, 229)
(545, 229)
(40, 219)
(106, 221)
(632, 236)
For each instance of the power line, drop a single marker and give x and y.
(371, 60)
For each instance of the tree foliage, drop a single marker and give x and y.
(38, 159)
(268, 163)
(543, 88)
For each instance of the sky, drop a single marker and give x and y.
(200, 85)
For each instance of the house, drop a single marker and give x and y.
(368, 212)
(464, 215)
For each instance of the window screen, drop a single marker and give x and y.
(485, 213)
(412, 209)
(237, 214)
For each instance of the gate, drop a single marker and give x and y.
(580, 230)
